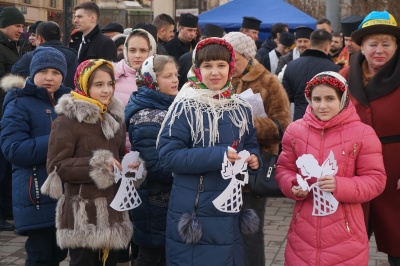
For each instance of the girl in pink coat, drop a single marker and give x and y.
(330, 164)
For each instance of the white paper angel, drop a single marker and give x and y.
(230, 199)
(127, 197)
(324, 202)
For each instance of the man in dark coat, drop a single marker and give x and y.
(185, 61)
(88, 41)
(310, 63)
(185, 39)
(165, 25)
(48, 34)
(270, 60)
(12, 23)
(302, 41)
(272, 41)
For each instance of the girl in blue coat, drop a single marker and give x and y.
(206, 118)
(157, 81)
(25, 128)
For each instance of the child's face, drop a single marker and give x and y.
(138, 51)
(325, 102)
(102, 87)
(167, 80)
(214, 73)
(48, 78)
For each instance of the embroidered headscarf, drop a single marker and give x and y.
(333, 80)
(152, 41)
(200, 104)
(146, 76)
(82, 75)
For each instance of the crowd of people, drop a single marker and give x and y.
(172, 92)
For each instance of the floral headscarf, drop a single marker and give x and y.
(82, 75)
(194, 76)
(153, 44)
(146, 76)
(331, 79)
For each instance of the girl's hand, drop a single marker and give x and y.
(134, 166)
(232, 155)
(298, 192)
(252, 161)
(112, 162)
(327, 183)
(398, 184)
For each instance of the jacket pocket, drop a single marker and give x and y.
(295, 216)
(350, 227)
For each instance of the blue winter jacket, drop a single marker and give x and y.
(25, 129)
(221, 242)
(144, 113)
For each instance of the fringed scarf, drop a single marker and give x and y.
(197, 103)
(82, 74)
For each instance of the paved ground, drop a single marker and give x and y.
(277, 219)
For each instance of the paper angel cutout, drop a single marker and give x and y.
(230, 200)
(127, 197)
(324, 202)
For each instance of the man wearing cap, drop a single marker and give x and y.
(349, 25)
(185, 39)
(251, 27)
(272, 41)
(48, 34)
(302, 41)
(301, 70)
(270, 61)
(88, 41)
(112, 29)
(185, 61)
(12, 23)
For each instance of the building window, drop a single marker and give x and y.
(53, 3)
(27, 1)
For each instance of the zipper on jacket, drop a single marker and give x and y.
(48, 112)
(37, 190)
(347, 225)
(355, 149)
(200, 188)
(322, 133)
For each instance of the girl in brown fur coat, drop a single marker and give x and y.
(86, 139)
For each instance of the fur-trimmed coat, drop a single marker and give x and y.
(276, 104)
(80, 148)
(28, 116)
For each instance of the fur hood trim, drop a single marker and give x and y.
(89, 113)
(53, 185)
(258, 70)
(86, 235)
(101, 174)
(12, 81)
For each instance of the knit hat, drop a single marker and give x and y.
(350, 24)
(153, 44)
(113, 27)
(11, 16)
(242, 44)
(331, 79)
(119, 39)
(376, 22)
(211, 30)
(188, 20)
(33, 27)
(286, 39)
(47, 57)
(303, 32)
(251, 23)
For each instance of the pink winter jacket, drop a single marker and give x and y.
(339, 238)
(125, 78)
